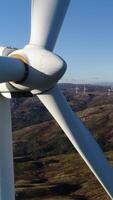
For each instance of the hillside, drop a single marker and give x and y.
(47, 167)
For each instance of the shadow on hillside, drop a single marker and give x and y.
(64, 188)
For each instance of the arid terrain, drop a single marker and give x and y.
(47, 167)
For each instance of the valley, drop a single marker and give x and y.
(47, 167)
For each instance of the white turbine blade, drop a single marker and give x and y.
(5, 91)
(6, 95)
(46, 20)
(80, 137)
(11, 69)
(5, 51)
(7, 88)
(6, 154)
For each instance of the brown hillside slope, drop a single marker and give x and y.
(47, 167)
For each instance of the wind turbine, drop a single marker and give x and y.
(109, 91)
(76, 89)
(84, 90)
(36, 69)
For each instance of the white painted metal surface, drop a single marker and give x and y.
(5, 51)
(6, 154)
(44, 71)
(45, 68)
(11, 69)
(46, 20)
(80, 137)
(5, 88)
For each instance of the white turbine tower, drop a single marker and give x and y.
(76, 89)
(84, 90)
(109, 91)
(36, 69)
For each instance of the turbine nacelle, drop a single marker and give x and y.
(45, 69)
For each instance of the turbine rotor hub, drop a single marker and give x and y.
(45, 68)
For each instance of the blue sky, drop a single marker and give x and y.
(85, 41)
